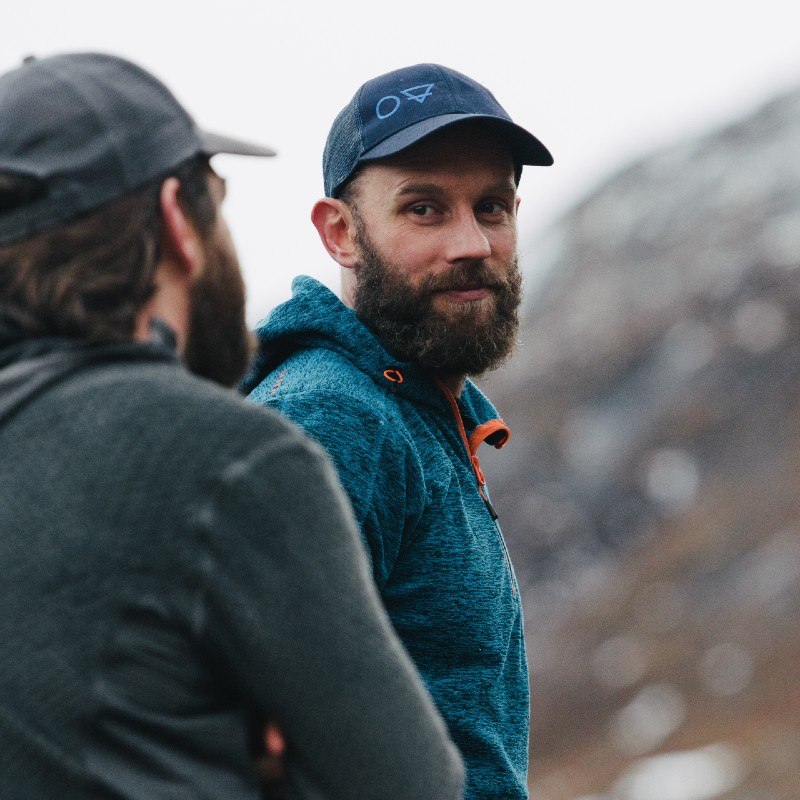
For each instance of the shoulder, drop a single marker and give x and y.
(328, 394)
(163, 446)
(362, 425)
(167, 406)
(321, 370)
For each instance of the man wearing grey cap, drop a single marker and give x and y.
(421, 171)
(177, 567)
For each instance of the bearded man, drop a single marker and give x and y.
(177, 567)
(421, 171)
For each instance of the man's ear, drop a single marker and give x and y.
(337, 230)
(180, 242)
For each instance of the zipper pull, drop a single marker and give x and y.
(489, 506)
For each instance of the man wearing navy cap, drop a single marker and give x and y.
(177, 567)
(421, 171)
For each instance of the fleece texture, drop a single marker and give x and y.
(438, 555)
(176, 567)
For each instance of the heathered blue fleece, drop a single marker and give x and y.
(438, 556)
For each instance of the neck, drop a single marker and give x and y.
(348, 284)
(170, 304)
(454, 383)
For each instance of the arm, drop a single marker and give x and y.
(291, 609)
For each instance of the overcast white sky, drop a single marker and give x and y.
(600, 83)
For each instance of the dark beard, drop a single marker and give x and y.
(219, 345)
(411, 329)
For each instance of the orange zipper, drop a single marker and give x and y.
(476, 468)
(473, 457)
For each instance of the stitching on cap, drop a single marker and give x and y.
(451, 86)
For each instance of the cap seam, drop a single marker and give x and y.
(452, 89)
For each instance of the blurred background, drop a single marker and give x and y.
(649, 491)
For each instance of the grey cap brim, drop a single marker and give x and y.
(525, 148)
(214, 144)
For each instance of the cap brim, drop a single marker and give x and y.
(525, 148)
(214, 143)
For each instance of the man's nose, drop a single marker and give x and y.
(467, 239)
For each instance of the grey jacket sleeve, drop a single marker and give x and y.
(290, 604)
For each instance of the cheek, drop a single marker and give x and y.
(225, 240)
(413, 254)
(504, 238)
(224, 231)
(420, 257)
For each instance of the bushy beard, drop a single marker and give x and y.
(218, 344)
(468, 341)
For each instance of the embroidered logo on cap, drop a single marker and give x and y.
(389, 104)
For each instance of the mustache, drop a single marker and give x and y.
(464, 277)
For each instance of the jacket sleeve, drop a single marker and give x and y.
(379, 471)
(288, 602)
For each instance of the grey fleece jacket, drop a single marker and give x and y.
(177, 566)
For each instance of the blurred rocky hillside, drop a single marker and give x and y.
(650, 492)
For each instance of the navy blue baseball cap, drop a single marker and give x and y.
(396, 110)
(87, 128)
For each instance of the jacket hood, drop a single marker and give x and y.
(29, 365)
(316, 317)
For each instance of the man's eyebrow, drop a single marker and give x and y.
(501, 187)
(418, 188)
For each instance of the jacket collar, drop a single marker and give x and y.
(30, 365)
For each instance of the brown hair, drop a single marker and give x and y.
(90, 277)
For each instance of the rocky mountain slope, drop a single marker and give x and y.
(650, 494)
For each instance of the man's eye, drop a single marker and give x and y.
(492, 207)
(422, 210)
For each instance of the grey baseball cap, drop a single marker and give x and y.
(87, 128)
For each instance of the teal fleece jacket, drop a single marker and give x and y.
(406, 453)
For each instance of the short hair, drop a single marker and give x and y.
(348, 191)
(89, 277)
